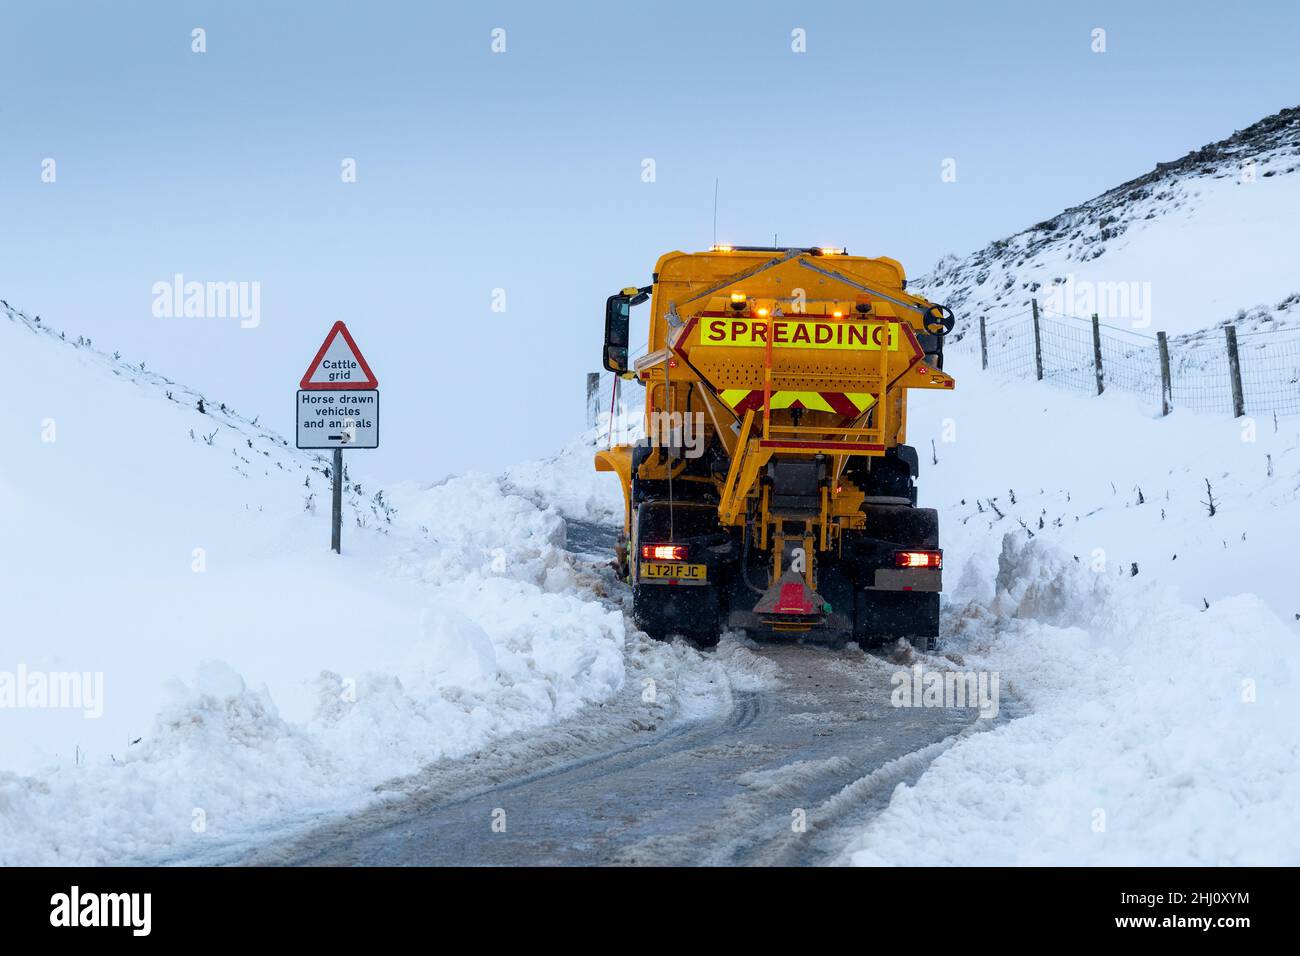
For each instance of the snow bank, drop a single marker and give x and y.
(1123, 491)
(1157, 733)
(1149, 645)
(569, 481)
(178, 550)
(498, 634)
(253, 682)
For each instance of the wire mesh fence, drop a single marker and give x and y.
(1089, 356)
(1011, 349)
(1270, 367)
(1199, 378)
(613, 411)
(1067, 355)
(1131, 364)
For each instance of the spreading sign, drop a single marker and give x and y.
(803, 333)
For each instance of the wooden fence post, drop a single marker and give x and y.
(984, 345)
(1166, 383)
(1096, 353)
(1038, 342)
(1234, 367)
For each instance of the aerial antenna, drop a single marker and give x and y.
(715, 210)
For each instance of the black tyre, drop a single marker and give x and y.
(902, 525)
(883, 616)
(692, 611)
(705, 638)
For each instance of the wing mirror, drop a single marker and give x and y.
(618, 319)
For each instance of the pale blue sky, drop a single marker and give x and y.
(522, 170)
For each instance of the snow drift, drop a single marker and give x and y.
(177, 548)
(1157, 733)
(1150, 643)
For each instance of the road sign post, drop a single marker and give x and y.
(337, 407)
(336, 506)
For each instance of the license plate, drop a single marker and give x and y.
(682, 572)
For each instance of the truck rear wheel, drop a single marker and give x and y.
(883, 616)
(692, 604)
(903, 525)
(691, 611)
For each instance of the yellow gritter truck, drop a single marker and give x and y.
(774, 491)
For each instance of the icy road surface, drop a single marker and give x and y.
(611, 790)
(820, 744)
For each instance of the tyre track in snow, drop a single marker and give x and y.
(630, 783)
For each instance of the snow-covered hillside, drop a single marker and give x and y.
(1194, 243)
(177, 550)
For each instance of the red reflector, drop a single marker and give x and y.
(918, 559)
(793, 600)
(663, 552)
(922, 370)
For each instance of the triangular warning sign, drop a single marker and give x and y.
(338, 364)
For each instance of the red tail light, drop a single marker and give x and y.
(663, 552)
(918, 559)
